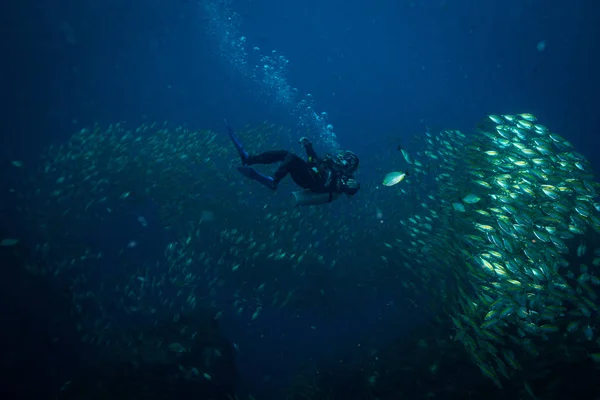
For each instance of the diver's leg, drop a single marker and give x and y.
(298, 169)
(253, 174)
(268, 157)
(290, 163)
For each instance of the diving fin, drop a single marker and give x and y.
(238, 145)
(251, 173)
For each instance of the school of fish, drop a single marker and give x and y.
(494, 229)
(508, 207)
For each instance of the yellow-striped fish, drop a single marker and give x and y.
(394, 178)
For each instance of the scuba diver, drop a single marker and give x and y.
(323, 179)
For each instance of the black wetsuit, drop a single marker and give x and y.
(317, 174)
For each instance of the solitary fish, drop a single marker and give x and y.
(8, 242)
(471, 198)
(177, 347)
(459, 207)
(407, 156)
(394, 178)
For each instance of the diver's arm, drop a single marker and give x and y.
(310, 151)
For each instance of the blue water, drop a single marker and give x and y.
(375, 68)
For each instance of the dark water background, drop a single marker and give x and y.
(380, 69)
